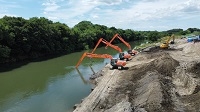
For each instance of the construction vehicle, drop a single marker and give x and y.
(122, 55)
(114, 62)
(196, 39)
(165, 45)
(130, 51)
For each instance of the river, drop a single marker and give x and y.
(52, 85)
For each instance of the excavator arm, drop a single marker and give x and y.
(166, 44)
(169, 38)
(120, 38)
(130, 51)
(113, 61)
(108, 44)
(81, 59)
(173, 38)
(91, 55)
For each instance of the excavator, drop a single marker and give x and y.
(165, 45)
(115, 63)
(122, 55)
(130, 51)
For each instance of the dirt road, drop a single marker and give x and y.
(155, 81)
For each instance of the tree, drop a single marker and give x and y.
(153, 36)
(22, 39)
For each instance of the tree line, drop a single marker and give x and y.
(25, 39)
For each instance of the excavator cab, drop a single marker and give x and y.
(132, 52)
(129, 51)
(123, 56)
(113, 61)
(116, 63)
(172, 42)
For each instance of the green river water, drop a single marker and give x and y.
(52, 85)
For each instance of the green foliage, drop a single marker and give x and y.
(196, 32)
(4, 51)
(174, 31)
(191, 30)
(22, 39)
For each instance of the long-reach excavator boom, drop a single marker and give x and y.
(130, 51)
(91, 55)
(120, 38)
(107, 43)
(122, 56)
(114, 62)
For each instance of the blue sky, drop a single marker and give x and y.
(125, 14)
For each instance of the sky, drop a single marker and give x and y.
(139, 15)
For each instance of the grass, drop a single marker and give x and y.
(156, 43)
(145, 45)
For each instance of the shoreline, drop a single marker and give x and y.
(151, 83)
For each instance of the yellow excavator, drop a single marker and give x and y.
(165, 45)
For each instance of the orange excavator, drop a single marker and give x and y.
(115, 63)
(130, 51)
(122, 55)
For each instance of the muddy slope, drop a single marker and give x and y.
(161, 85)
(156, 81)
(147, 86)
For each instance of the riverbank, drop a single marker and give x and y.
(156, 80)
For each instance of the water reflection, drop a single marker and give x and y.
(51, 85)
(81, 76)
(92, 69)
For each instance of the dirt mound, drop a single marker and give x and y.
(151, 49)
(148, 86)
(192, 49)
(195, 68)
(165, 64)
(186, 78)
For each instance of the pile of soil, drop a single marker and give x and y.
(157, 81)
(148, 86)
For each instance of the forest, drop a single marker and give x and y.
(26, 39)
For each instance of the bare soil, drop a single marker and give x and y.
(156, 80)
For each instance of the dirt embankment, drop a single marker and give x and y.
(156, 81)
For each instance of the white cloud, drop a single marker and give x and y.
(110, 2)
(133, 14)
(50, 6)
(154, 13)
(5, 6)
(94, 16)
